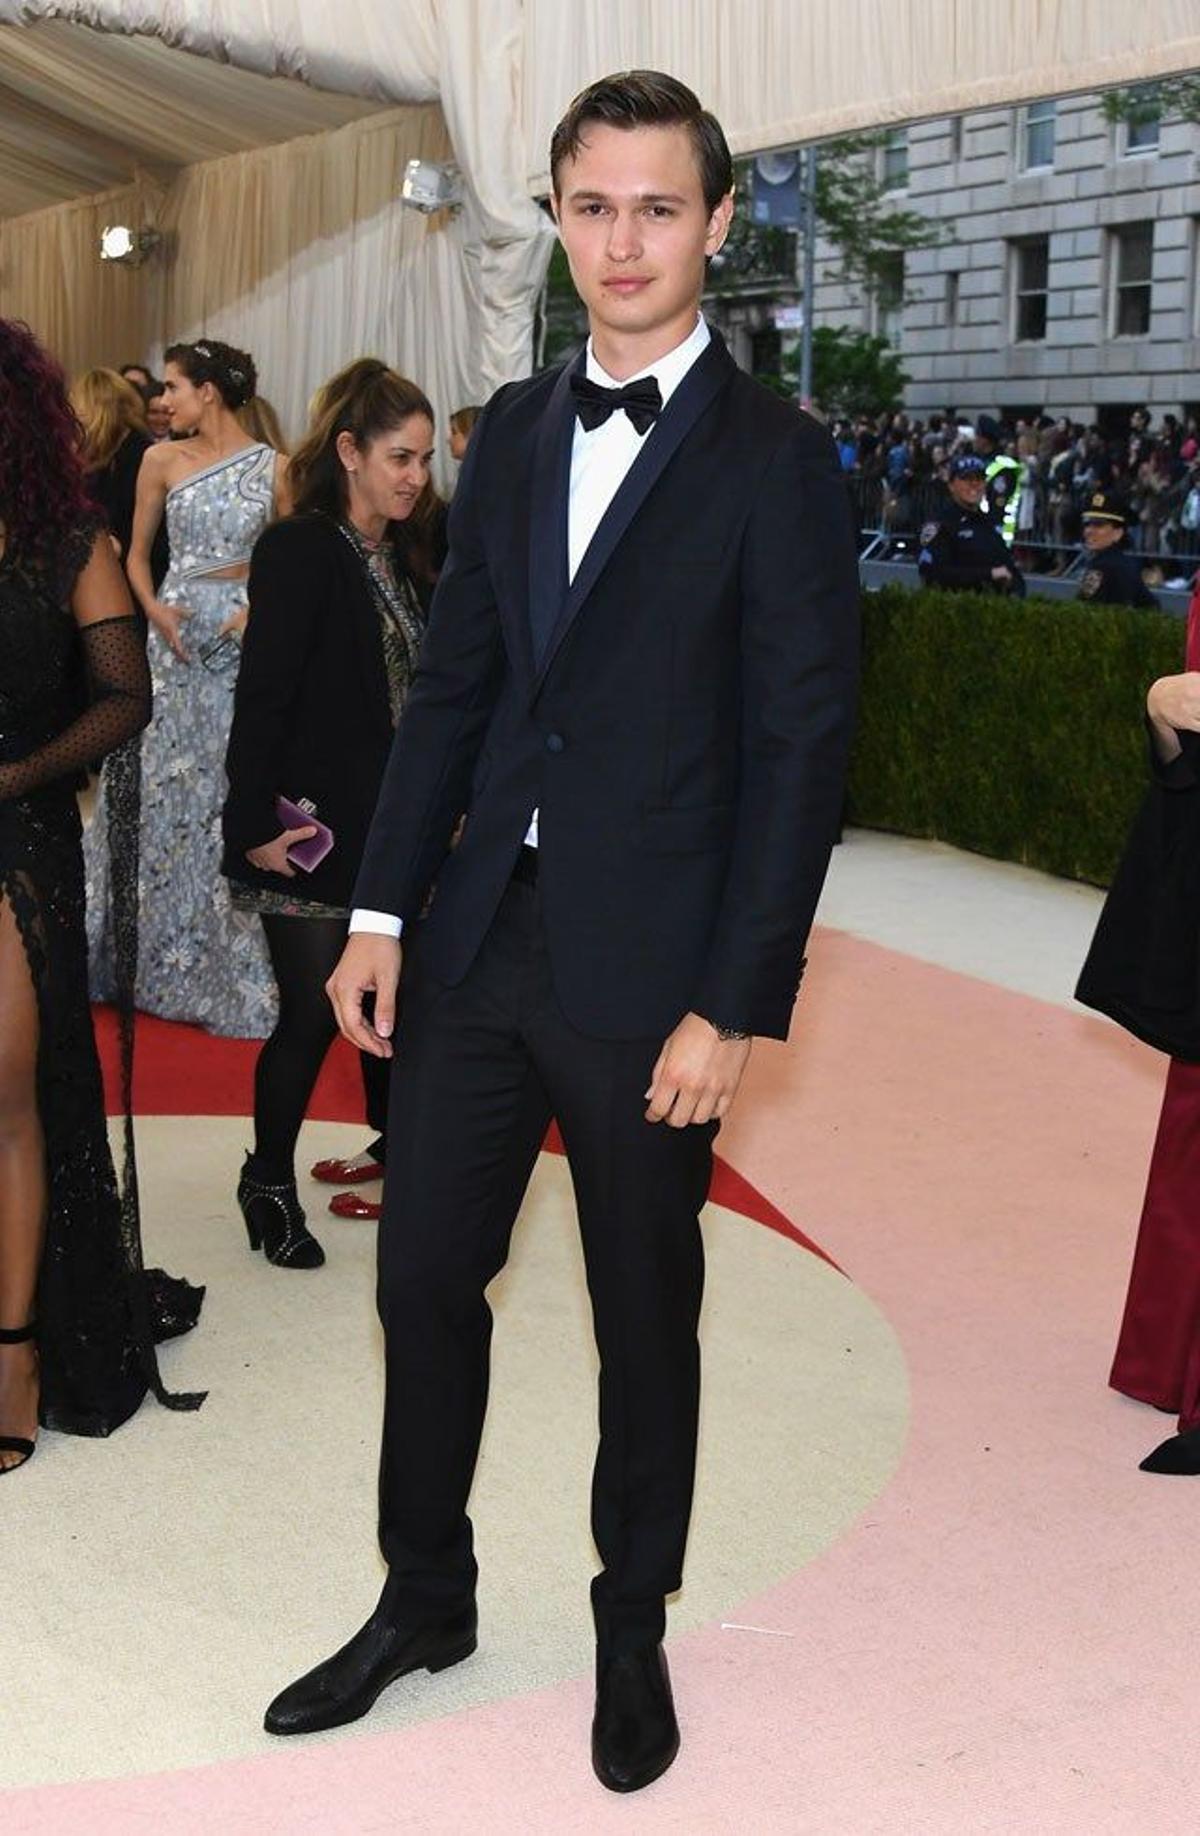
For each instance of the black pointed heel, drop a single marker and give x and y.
(1180, 1454)
(16, 1443)
(275, 1222)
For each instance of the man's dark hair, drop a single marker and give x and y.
(647, 98)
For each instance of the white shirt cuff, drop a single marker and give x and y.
(381, 924)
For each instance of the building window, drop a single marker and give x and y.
(1140, 135)
(1037, 135)
(893, 160)
(1031, 288)
(889, 298)
(952, 299)
(1130, 258)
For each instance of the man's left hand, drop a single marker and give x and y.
(697, 1074)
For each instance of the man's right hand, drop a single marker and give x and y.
(1002, 576)
(370, 964)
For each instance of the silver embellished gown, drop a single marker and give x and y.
(199, 960)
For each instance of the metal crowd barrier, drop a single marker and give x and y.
(881, 512)
(888, 554)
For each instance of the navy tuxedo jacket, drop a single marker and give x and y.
(680, 714)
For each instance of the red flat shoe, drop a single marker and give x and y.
(351, 1205)
(346, 1173)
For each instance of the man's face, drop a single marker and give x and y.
(633, 221)
(158, 416)
(967, 492)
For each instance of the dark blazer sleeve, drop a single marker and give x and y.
(288, 590)
(799, 678)
(426, 783)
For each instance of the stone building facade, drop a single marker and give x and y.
(1068, 280)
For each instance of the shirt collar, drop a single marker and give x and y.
(669, 370)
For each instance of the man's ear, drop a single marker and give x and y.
(718, 224)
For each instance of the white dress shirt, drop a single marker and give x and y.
(600, 458)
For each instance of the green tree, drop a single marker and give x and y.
(1142, 102)
(854, 372)
(857, 213)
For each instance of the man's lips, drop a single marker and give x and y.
(627, 283)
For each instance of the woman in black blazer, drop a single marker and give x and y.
(329, 652)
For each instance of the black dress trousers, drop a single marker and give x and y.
(480, 1067)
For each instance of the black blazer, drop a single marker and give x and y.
(680, 715)
(1143, 967)
(310, 713)
(114, 488)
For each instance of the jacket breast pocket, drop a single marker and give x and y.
(685, 831)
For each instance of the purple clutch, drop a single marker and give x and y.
(300, 815)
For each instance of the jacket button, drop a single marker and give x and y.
(555, 742)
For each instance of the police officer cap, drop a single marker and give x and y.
(1105, 507)
(968, 465)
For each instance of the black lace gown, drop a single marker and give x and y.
(68, 697)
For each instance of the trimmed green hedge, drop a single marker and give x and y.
(1010, 727)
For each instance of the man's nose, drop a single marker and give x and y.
(624, 240)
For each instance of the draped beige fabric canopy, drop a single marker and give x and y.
(299, 250)
(277, 197)
(780, 72)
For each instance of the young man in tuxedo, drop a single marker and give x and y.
(638, 685)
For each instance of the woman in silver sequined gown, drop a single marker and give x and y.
(200, 960)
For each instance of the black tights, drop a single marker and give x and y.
(304, 953)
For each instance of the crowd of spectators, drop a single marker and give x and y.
(899, 464)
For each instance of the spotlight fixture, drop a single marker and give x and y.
(430, 185)
(120, 243)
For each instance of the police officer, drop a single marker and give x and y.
(1112, 576)
(1002, 475)
(963, 547)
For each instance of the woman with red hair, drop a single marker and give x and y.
(78, 1315)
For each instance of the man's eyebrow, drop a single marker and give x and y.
(640, 197)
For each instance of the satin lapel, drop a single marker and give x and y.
(680, 415)
(548, 512)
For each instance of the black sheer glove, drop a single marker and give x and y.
(119, 686)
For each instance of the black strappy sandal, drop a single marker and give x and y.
(16, 1443)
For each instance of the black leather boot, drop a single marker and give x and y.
(635, 1735)
(346, 1685)
(275, 1221)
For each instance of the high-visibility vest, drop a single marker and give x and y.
(1003, 463)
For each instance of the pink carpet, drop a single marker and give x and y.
(1005, 1641)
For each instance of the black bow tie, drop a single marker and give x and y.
(641, 400)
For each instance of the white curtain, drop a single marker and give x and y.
(303, 255)
(776, 72)
(465, 53)
(85, 310)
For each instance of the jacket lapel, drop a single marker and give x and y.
(369, 641)
(548, 512)
(702, 382)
